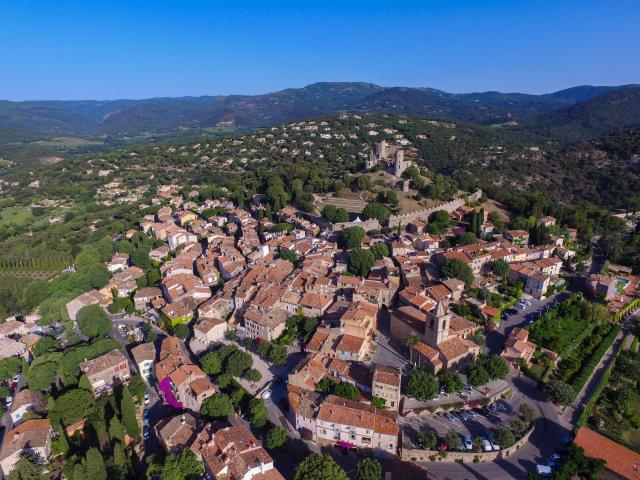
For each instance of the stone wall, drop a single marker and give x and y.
(419, 455)
(451, 206)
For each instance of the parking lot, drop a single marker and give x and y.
(475, 423)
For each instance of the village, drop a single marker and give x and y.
(398, 341)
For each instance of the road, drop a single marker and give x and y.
(550, 430)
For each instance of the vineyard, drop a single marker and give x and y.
(35, 264)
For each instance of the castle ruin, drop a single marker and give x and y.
(380, 155)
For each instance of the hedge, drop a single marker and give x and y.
(588, 408)
(588, 368)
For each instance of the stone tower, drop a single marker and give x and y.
(437, 326)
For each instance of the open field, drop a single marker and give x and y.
(15, 215)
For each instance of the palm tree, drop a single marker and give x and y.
(411, 341)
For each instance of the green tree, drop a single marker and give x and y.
(319, 467)
(351, 237)
(238, 362)
(500, 268)
(258, 412)
(9, 367)
(377, 211)
(466, 238)
(181, 331)
(421, 384)
(504, 437)
(128, 409)
(41, 376)
(45, 345)
(477, 375)
(441, 217)
(278, 354)
(456, 268)
(27, 468)
(346, 390)
(427, 440)
(276, 436)
(495, 366)
(453, 440)
(528, 413)
(217, 406)
(378, 402)
(369, 468)
(252, 375)
(559, 392)
(183, 465)
(96, 469)
(93, 321)
(211, 364)
(73, 406)
(116, 430)
(360, 262)
(380, 250)
(137, 387)
(84, 383)
(450, 381)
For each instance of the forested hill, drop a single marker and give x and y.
(609, 112)
(149, 119)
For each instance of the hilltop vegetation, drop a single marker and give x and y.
(32, 129)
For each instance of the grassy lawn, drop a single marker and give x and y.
(15, 215)
(560, 328)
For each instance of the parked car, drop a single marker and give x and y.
(468, 443)
(486, 446)
(502, 406)
(266, 394)
(145, 433)
(494, 445)
(464, 415)
(8, 401)
(493, 409)
(16, 379)
(468, 389)
(146, 399)
(472, 414)
(449, 417)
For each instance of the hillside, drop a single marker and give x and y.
(123, 122)
(331, 150)
(609, 112)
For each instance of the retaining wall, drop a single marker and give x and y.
(419, 455)
(451, 206)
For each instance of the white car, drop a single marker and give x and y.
(266, 394)
(486, 446)
(468, 444)
(16, 379)
(8, 401)
(146, 399)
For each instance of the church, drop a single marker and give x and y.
(440, 338)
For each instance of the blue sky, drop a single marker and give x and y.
(147, 48)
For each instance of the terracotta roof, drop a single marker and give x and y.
(144, 352)
(28, 435)
(103, 362)
(350, 343)
(350, 412)
(620, 460)
(387, 375)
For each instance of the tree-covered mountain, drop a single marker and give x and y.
(151, 119)
(612, 111)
